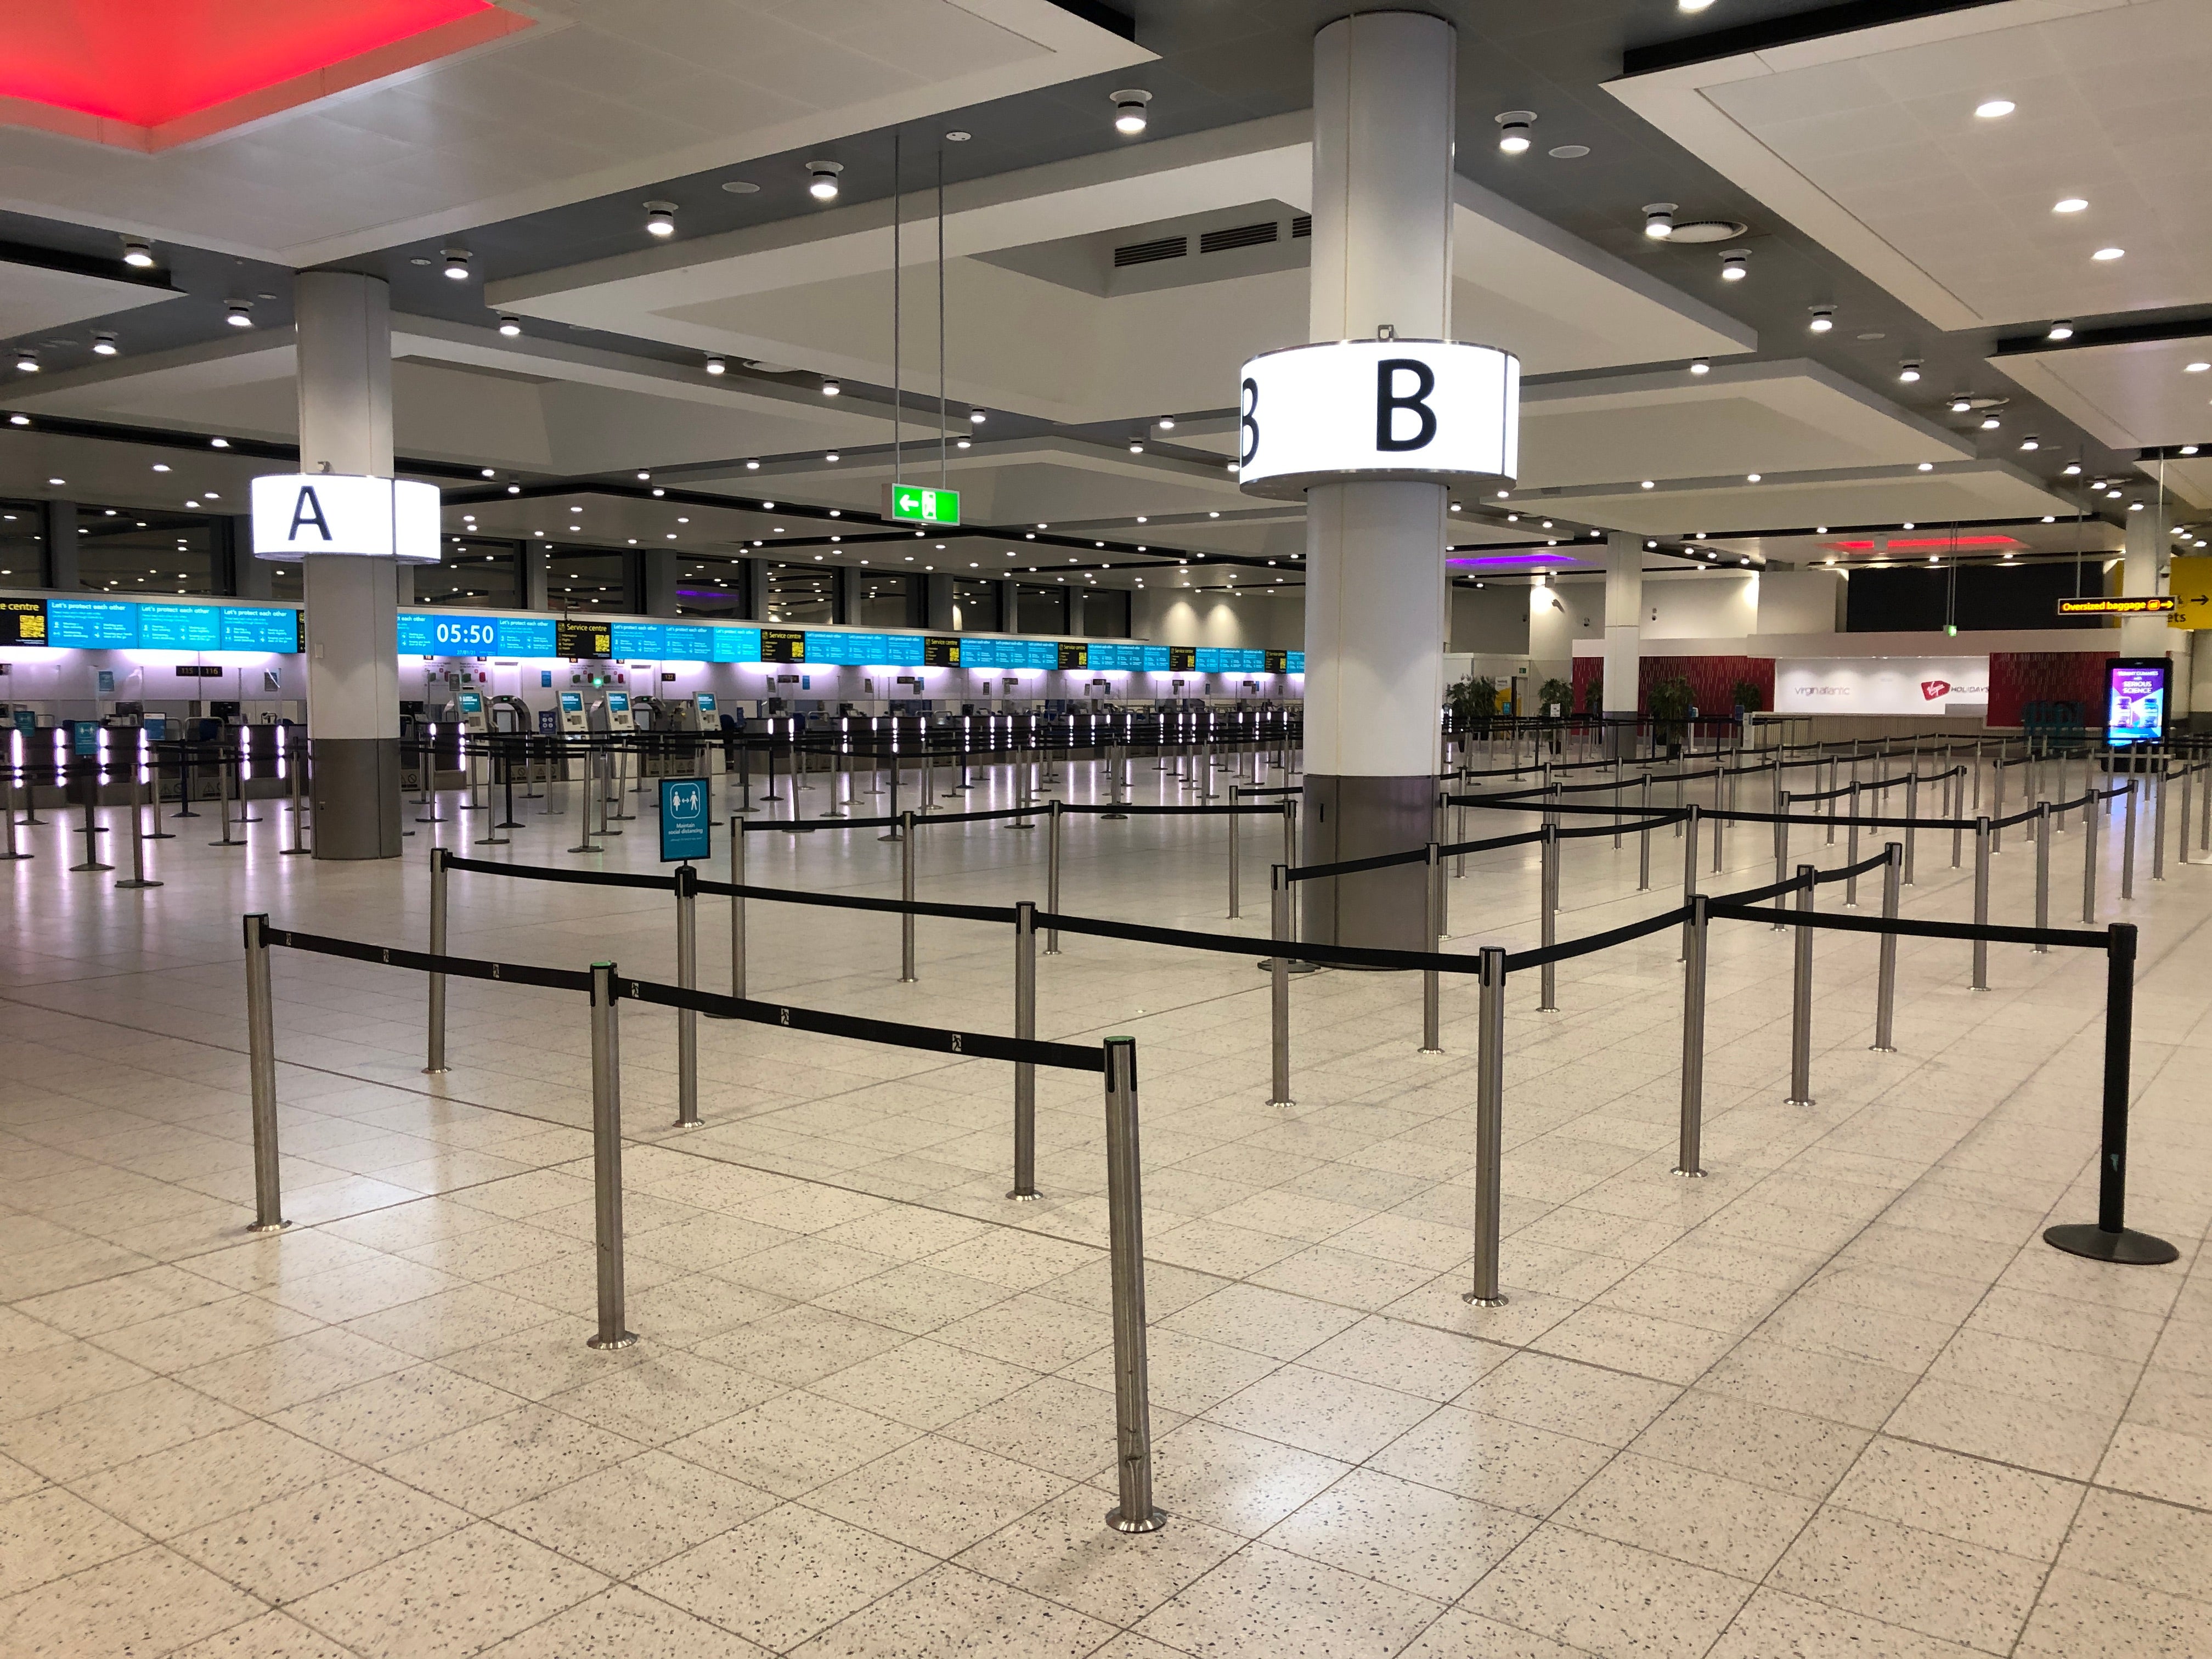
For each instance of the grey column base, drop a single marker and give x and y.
(1354, 818)
(357, 794)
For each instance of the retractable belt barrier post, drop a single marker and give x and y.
(91, 829)
(1546, 975)
(1689, 868)
(1125, 1223)
(907, 975)
(1801, 999)
(1489, 1127)
(1696, 933)
(2158, 821)
(1984, 836)
(1025, 1186)
(2042, 870)
(137, 792)
(1884, 1002)
(606, 1158)
(687, 979)
(296, 762)
(1432, 927)
(2092, 822)
(2127, 840)
(1278, 988)
(737, 908)
(261, 1069)
(433, 1061)
(1054, 817)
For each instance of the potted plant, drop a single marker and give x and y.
(1471, 702)
(1670, 714)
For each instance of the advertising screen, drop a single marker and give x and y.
(2135, 701)
(430, 634)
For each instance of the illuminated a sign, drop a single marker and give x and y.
(2144, 604)
(1425, 410)
(301, 514)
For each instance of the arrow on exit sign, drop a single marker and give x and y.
(913, 504)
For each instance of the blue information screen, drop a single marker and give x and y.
(646, 640)
(845, 650)
(736, 645)
(253, 628)
(1209, 660)
(687, 643)
(94, 624)
(1298, 662)
(903, 651)
(421, 635)
(181, 627)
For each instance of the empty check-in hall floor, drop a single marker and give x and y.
(1834, 1397)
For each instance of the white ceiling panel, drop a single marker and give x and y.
(2139, 395)
(1869, 141)
(32, 297)
(1981, 489)
(594, 98)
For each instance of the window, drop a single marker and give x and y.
(975, 606)
(122, 549)
(1106, 613)
(1040, 610)
(799, 594)
(473, 573)
(888, 601)
(709, 585)
(22, 544)
(588, 582)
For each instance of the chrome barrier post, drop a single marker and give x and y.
(1290, 834)
(1689, 1149)
(906, 891)
(2128, 839)
(1832, 800)
(1489, 1127)
(1643, 839)
(1125, 1227)
(2112, 1239)
(687, 979)
(1433, 927)
(1954, 793)
(1885, 989)
(1983, 836)
(1800, 998)
(1548, 1002)
(1236, 824)
(738, 909)
(2158, 820)
(91, 830)
(1781, 838)
(1278, 988)
(1025, 1186)
(1996, 805)
(296, 762)
(1689, 869)
(434, 1059)
(1851, 851)
(17, 781)
(591, 767)
(1911, 820)
(1051, 873)
(2042, 871)
(138, 810)
(606, 1157)
(1727, 780)
(261, 1068)
(2092, 822)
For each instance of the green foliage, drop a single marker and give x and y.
(1748, 696)
(1471, 700)
(1555, 692)
(1593, 697)
(1671, 701)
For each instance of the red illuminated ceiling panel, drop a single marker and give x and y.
(1930, 544)
(147, 74)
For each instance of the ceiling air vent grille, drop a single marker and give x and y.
(1302, 226)
(1145, 254)
(1221, 241)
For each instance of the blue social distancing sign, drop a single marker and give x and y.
(685, 818)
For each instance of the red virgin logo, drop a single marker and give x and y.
(1931, 689)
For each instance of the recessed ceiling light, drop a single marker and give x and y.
(104, 345)
(1697, 366)
(1908, 370)
(831, 388)
(2109, 255)
(1927, 466)
(2069, 205)
(1991, 109)
(2194, 368)
(1129, 118)
(1962, 405)
(238, 313)
(26, 361)
(2061, 329)
(1751, 477)
(137, 253)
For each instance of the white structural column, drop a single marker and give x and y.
(1376, 614)
(353, 668)
(1624, 631)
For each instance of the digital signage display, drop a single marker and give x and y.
(2135, 701)
(1182, 659)
(582, 637)
(1072, 656)
(180, 627)
(23, 621)
(782, 645)
(942, 650)
(736, 645)
(91, 624)
(687, 643)
(255, 628)
(648, 640)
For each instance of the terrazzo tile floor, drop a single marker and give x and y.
(1836, 1398)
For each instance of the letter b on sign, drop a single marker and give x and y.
(1391, 403)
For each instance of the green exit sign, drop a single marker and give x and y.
(913, 504)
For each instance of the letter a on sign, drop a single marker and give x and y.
(1389, 405)
(308, 509)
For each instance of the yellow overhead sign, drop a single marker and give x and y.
(2189, 582)
(2140, 604)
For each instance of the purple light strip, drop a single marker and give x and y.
(1494, 560)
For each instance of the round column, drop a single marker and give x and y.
(1375, 615)
(1624, 634)
(345, 324)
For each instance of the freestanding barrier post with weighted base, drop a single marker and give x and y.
(1691, 1143)
(738, 909)
(2128, 839)
(2112, 1239)
(138, 810)
(2042, 871)
(1025, 1186)
(1432, 929)
(261, 1067)
(606, 1158)
(1125, 1226)
(1052, 874)
(434, 1059)
(1547, 979)
(907, 975)
(296, 762)
(1801, 999)
(1885, 990)
(1983, 836)
(1278, 988)
(1489, 1126)
(687, 979)
(92, 830)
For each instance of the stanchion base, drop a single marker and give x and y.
(891, 837)
(1018, 826)
(5, 857)
(627, 1339)
(1152, 1522)
(506, 824)
(1691, 1174)
(1030, 1197)
(139, 884)
(1267, 965)
(1882, 1047)
(433, 1071)
(1428, 1051)
(268, 1226)
(1474, 1301)
(160, 834)
(690, 1123)
(1280, 1105)
(227, 842)
(92, 867)
(1114, 817)
(2127, 1247)
(1808, 1100)
(294, 851)
(490, 840)
(587, 848)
